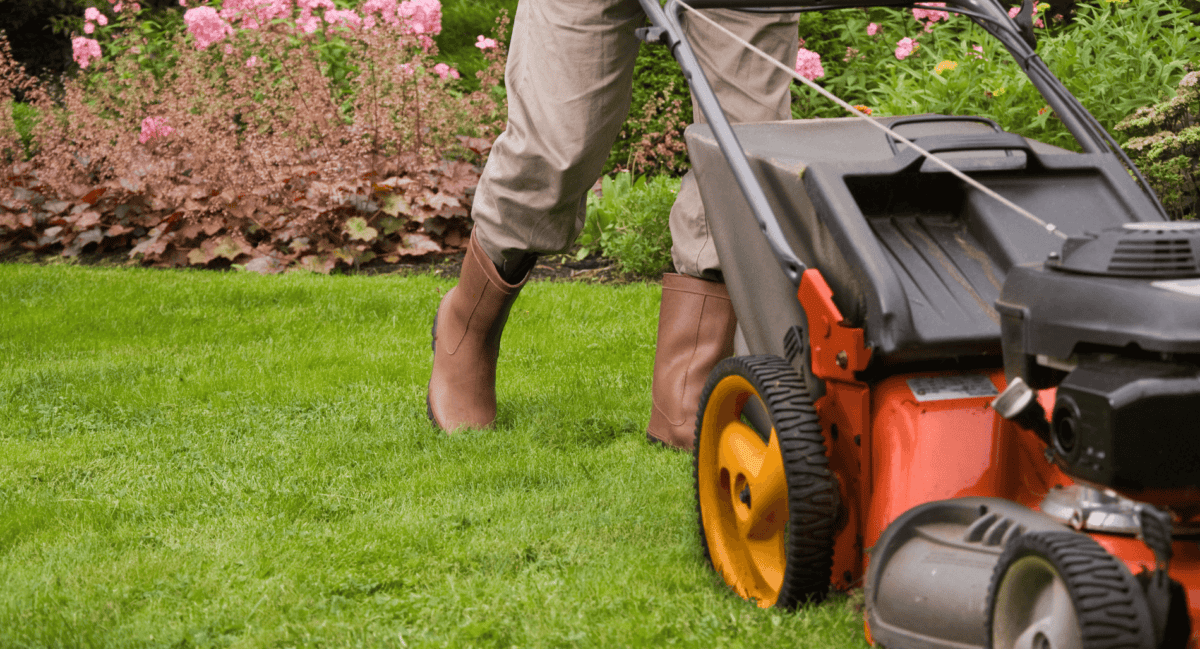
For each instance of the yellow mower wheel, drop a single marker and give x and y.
(766, 499)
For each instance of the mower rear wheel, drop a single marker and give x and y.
(1061, 590)
(766, 499)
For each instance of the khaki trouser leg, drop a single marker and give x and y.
(569, 77)
(750, 90)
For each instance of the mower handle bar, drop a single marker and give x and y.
(667, 29)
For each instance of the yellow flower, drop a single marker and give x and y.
(999, 91)
(945, 65)
(865, 110)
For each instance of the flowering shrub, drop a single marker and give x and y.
(651, 141)
(284, 135)
(1166, 146)
(1114, 56)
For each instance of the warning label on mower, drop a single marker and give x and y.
(958, 386)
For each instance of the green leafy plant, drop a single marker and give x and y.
(602, 210)
(651, 140)
(25, 119)
(1114, 56)
(628, 222)
(1166, 146)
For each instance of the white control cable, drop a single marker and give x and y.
(1050, 227)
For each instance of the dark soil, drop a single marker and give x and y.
(561, 268)
(555, 268)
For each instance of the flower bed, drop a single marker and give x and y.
(271, 134)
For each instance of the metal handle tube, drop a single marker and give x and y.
(668, 18)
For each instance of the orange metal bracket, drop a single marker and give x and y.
(838, 350)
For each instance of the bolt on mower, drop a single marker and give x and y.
(967, 373)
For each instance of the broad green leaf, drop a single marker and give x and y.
(395, 205)
(357, 228)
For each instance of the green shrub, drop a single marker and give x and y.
(1166, 146)
(1114, 56)
(660, 110)
(602, 211)
(25, 118)
(463, 21)
(628, 222)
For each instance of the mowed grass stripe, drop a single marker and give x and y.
(197, 459)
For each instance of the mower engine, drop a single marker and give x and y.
(1114, 322)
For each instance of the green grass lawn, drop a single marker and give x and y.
(200, 459)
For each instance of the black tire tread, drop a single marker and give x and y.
(812, 491)
(1113, 613)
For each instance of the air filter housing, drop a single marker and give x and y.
(1130, 290)
(1164, 250)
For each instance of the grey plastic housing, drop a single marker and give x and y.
(913, 255)
(928, 577)
(1057, 314)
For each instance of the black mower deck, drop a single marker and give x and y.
(914, 256)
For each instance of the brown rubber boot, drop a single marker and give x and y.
(695, 332)
(466, 344)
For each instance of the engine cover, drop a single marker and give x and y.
(1114, 323)
(1130, 289)
(1129, 424)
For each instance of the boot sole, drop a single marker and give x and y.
(654, 441)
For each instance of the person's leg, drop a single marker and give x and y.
(568, 77)
(696, 320)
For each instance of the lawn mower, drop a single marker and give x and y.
(967, 371)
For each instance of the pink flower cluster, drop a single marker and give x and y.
(808, 64)
(485, 43)
(307, 22)
(91, 18)
(931, 16)
(424, 19)
(420, 17)
(445, 72)
(153, 127)
(83, 50)
(120, 6)
(253, 14)
(206, 26)
(905, 47)
(344, 17)
(872, 29)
